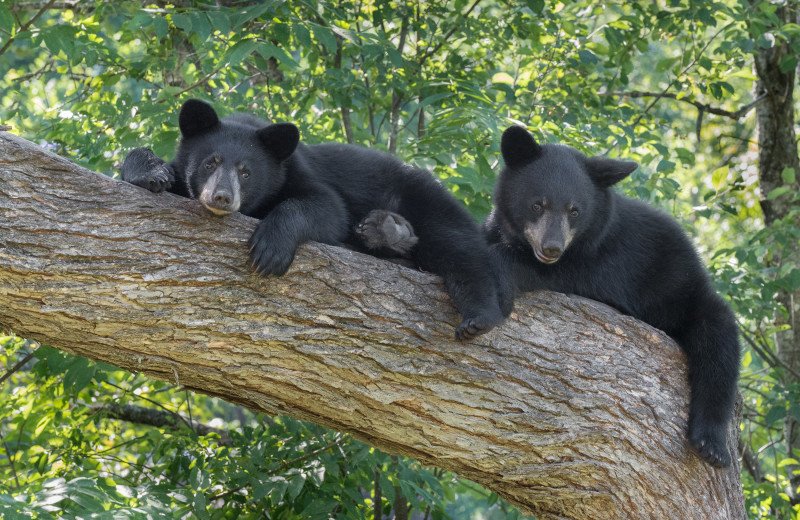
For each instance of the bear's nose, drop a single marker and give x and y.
(222, 199)
(552, 251)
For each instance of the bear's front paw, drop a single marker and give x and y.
(388, 231)
(147, 170)
(709, 442)
(472, 327)
(270, 256)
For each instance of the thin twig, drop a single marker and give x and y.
(449, 33)
(11, 462)
(26, 358)
(769, 357)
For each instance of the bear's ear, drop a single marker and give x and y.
(196, 117)
(607, 172)
(280, 139)
(518, 147)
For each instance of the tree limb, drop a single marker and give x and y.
(703, 107)
(569, 409)
(158, 419)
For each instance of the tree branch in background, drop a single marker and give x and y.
(705, 107)
(158, 419)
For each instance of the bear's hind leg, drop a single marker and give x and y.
(452, 246)
(387, 232)
(712, 347)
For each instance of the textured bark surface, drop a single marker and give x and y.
(568, 409)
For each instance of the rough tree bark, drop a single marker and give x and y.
(569, 409)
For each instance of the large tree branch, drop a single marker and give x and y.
(568, 409)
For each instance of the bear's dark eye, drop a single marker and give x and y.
(574, 212)
(211, 164)
(536, 206)
(245, 174)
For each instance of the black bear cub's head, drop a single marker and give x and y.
(549, 196)
(234, 163)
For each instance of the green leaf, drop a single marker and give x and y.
(160, 26)
(241, 50)
(200, 25)
(182, 22)
(537, 6)
(766, 41)
(788, 175)
(303, 35)
(587, 57)
(666, 64)
(220, 21)
(665, 165)
(776, 413)
(747, 358)
(719, 176)
(788, 462)
(503, 77)
(267, 50)
(6, 19)
(686, 156)
(788, 63)
(777, 192)
(395, 57)
(325, 37)
(59, 38)
(320, 509)
(280, 485)
(79, 374)
(200, 506)
(296, 485)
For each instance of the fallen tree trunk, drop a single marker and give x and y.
(569, 409)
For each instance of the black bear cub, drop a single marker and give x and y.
(558, 225)
(331, 193)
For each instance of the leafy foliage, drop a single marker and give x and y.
(669, 84)
(82, 438)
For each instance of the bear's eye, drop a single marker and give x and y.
(245, 174)
(243, 171)
(211, 164)
(574, 212)
(536, 206)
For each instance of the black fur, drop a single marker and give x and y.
(619, 251)
(321, 193)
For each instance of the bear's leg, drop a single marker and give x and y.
(504, 268)
(452, 246)
(712, 346)
(147, 170)
(317, 214)
(385, 231)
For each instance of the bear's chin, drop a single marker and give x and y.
(217, 211)
(540, 256)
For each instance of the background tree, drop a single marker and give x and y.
(699, 92)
